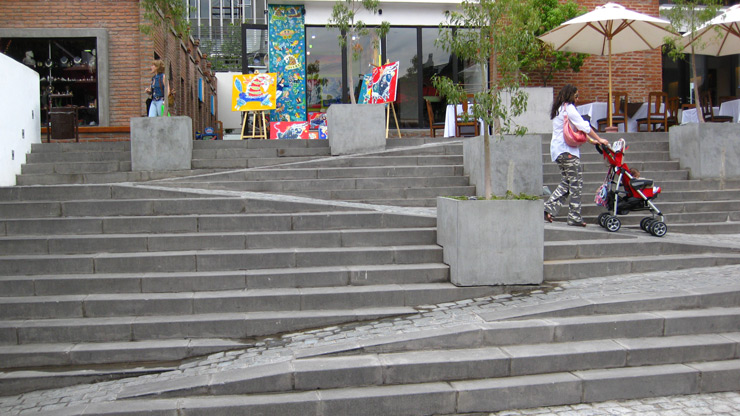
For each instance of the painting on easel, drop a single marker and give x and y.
(254, 92)
(384, 83)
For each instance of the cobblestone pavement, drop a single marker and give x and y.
(276, 349)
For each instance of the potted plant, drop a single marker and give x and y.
(162, 143)
(493, 240)
(355, 128)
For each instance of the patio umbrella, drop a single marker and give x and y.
(609, 30)
(719, 37)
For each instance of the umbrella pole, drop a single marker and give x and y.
(609, 104)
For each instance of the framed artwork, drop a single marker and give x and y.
(254, 92)
(283, 130)
(384, 83)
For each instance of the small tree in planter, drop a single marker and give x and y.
(542, 60)
(344, 18)
(494, 34)
(492, 242)
(354, 128)
(688, 16)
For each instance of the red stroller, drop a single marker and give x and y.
(623, 192)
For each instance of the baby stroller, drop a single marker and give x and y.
(623, 191)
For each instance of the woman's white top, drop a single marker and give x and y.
(557, 144)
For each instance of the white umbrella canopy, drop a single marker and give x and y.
(609, 30)
(719, 37)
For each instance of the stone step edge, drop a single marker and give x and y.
(90, 356)
(499, 363)
(486, 395)
(237, 280)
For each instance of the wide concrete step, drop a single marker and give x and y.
(247, 163)
(451, 365)
(233, 326)
(233, 301)
(216, 260)
(677, 207)
(555, 270)
(87, 355)
(459, 397)
(88, 192)
(299, 220)
(591, 167)
(631, 157)
(137, 243)
(249, 153)
(360, 183)
(174, 282)
(99, 178)
(678, 221)
(622, 248)
(150, 207)
(76, 167)
(327, 173)
(86, 156)
(385, 194)
(57, 147)
(379, 160)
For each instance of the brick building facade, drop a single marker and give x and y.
(124, 55)
(637, 73)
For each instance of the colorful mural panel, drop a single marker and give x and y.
(287, 40)
(289, 130)
(254, 92)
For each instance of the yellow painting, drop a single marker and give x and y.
(254, 92)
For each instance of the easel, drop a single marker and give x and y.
(262, 128)
(388, 108)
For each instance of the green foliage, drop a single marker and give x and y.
(160, 14)
(343, 17)
(500, 32)
(542, 60)
(494, 35)
(688, 16)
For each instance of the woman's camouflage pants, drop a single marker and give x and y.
(571, 184)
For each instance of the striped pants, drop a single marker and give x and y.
(571, 184)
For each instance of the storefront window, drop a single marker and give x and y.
(67, 70)
(323, 68)
(436, 62)
(402, 47)
(369, 47)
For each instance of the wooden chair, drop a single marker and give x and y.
(619, 112)
(432, 124)
(673, 105)
(464, 119)
(657, 112)
(707, 109)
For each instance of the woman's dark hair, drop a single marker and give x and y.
(567, 94)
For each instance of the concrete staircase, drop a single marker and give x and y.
(102, 277)
(594, 351)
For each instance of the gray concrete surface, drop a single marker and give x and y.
(435, 318)
(708, 150)
(161, 143)
(356, 128)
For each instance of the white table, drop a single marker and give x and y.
(730, 108)
(597, 111)
(450, 119)
(689, 115)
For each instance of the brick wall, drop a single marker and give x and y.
(130, 51)
(638, 73)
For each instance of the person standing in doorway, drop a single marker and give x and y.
(568, 158)
(157, 89)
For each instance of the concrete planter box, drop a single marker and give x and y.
(516, 164)
(536, 117)
(161, 143)
(356, 128)
(491, 242)
(708, 150)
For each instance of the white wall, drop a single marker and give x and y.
(20, 110)
(231, 119)
(406, 13)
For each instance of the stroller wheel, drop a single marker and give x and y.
(645, 223)
(612, 224)
(658, 228)
(601, 218)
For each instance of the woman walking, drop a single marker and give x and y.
(568, 158)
